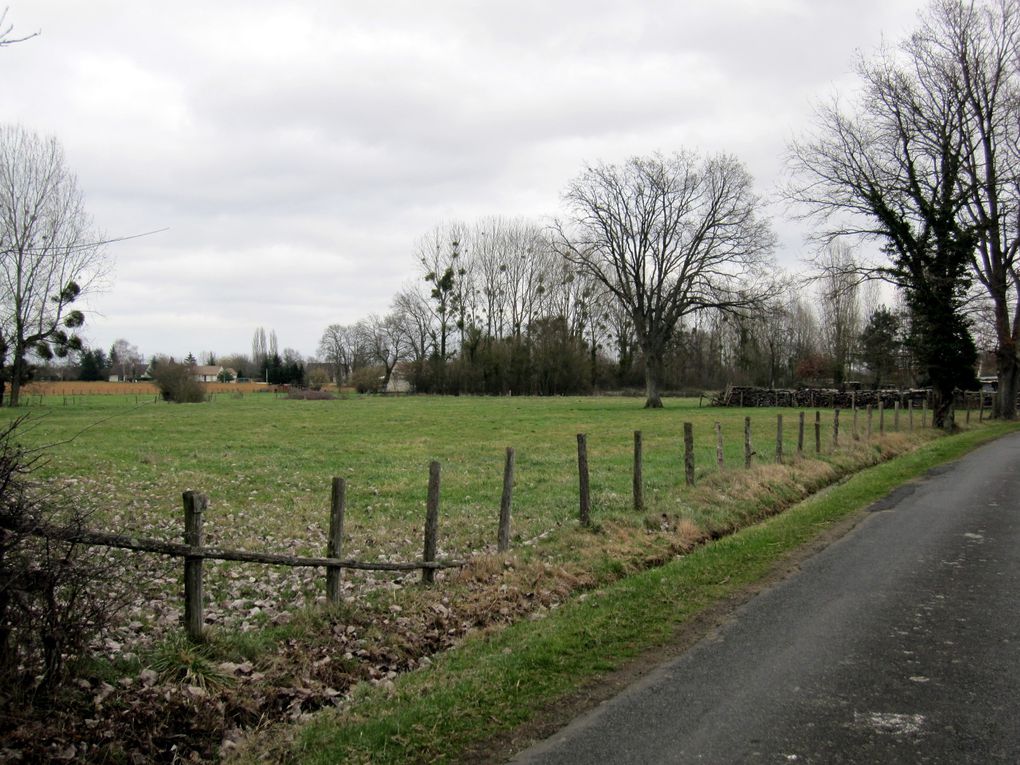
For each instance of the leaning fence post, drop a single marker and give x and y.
(800, 434)
(818, 432)
(779, 439)
(748, 451)
(195, 505)
(582, 474)
(718, 445)
(335, 542)
(689, 453)
(835, 428)
(503, 543)
(639, 499)
(428, 575)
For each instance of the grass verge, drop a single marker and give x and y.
(496, 682)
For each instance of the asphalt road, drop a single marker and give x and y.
(899, 643)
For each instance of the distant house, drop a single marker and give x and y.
(398, 383)
(212, 373)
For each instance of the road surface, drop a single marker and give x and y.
(899, 643)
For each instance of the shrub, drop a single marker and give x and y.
(177, 383)
(368, 379)
(54, 598)
(309, 394)
(317, 378)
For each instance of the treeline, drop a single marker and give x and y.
(496, 310)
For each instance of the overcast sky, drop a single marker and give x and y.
(296, 151)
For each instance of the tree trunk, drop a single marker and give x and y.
(17, 368)
(942, 410)
(1009, 372)
(653, 376)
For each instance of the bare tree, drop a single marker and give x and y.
(839, 304)
(895, 170)
(342, 347)
(978, 44)
(414, 317)
(385, 341)
(49, 254)
(259, 348)
(7, 31)
(126, 358)
(667, 236)
(442, 255)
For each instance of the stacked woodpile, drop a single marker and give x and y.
(810, 398)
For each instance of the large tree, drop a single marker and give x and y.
(880, 345)
(49, 253)
(894, 169)
(667, 236)
(839, 307)
(342, 347)
(385, 341)
(978, 47)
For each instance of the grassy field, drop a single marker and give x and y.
(265, 463)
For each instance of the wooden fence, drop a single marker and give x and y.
(194, 551)
(584, 477)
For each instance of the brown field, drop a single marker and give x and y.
(80, 388)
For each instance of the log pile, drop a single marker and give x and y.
(812, 398)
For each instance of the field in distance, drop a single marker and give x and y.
(266, 462)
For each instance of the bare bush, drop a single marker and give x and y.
(54, 598)
(177, 383)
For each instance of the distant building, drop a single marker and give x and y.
(213, 373)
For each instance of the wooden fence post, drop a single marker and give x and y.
(335, 542)
(835, 428)
(748, 451)
(896, 417)
(428, 575)
(639, 499)
(503, 538)
(800, 434)
(195, 505)
(818, 432)
(779, 439)
(689, 453)
(924, 410)
(870, 417)
(881, 417)
(981, 410)
(719, 459)
(966, 405)
(582, 472)
(855, 434)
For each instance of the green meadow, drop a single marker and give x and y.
(266, 463)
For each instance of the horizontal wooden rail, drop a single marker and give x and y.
(178, 550)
